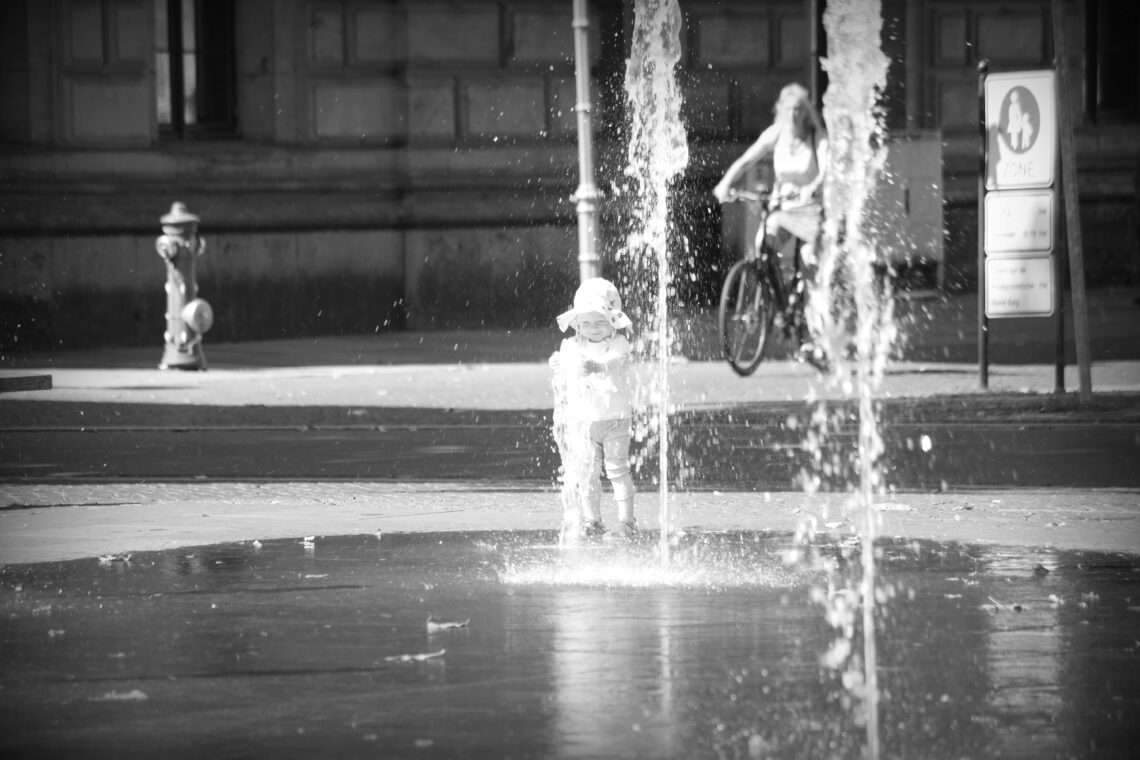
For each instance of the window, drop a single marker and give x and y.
(103, 72)
(1009, 35)
(194, 67)
(1112, 85)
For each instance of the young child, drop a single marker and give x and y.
(592, 367)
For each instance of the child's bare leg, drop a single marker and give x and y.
(618, 472)
(622, 481)
(625, 510)
(592, 491)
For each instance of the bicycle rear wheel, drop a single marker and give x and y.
(747, 310)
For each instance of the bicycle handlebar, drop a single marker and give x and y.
(747, 195)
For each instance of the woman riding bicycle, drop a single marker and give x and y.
(797, 143)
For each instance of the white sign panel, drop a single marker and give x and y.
(1019, 222)
(1021, 287)
(1021, 144)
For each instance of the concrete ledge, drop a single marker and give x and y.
(25, 383)
(51, 523)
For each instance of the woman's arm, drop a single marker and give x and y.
(812, 189)
(763, 146)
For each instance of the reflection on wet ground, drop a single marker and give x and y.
(324, 648)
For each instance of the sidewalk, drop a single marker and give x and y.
(503, 370)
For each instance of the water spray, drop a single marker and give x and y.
(658, 152)
(851, 303)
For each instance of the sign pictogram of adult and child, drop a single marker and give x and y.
(1019, 120)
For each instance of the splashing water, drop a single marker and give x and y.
(851, 309)
(658, 152)
(571, 436)
(700, 560)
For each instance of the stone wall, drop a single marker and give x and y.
(89, 290)
(411, 163)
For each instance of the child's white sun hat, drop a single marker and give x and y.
(596, 296)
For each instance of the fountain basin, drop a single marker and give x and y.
(295, 648)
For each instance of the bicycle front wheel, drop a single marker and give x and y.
(746, 314)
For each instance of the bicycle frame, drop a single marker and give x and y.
(767, 261)
(755, 298)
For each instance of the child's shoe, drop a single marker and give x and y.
(628, 529)
(594, 529)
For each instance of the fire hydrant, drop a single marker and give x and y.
(187, 316)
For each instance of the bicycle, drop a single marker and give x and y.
(755, 298)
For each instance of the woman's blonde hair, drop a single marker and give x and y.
(797, 93)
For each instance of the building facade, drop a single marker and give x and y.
(365, 165)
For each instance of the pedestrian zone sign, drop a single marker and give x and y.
(1021, 143)
(1019, 222)
(1021, 287)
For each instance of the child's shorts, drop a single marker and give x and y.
(611, 446)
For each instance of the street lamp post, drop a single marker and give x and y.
(586, 196)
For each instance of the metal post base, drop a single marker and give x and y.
(192, 358)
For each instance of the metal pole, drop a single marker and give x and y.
(586, 196)
(1072, 207)
(1057, 261)
(983, 320)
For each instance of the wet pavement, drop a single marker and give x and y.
(490, 644)
(211, 627)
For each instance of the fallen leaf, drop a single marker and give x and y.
(134, 695)
(1006, 607)
(888, 506)
(415, 657)
(434, 625)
